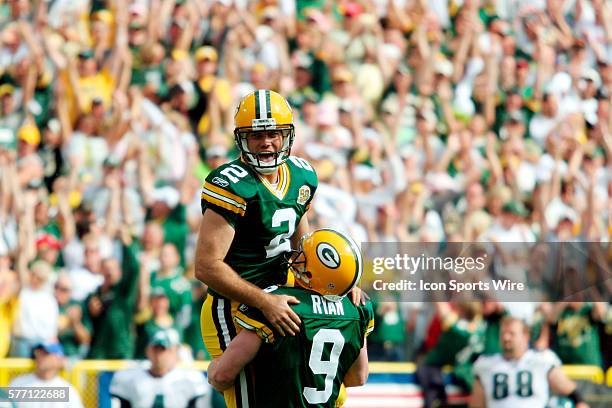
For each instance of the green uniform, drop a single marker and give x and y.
(307, 370)
(456, 344)
(178, 291)
(68, 337)
(112, 330)
(175, 228)
(492, 344)
(263, 216)
(459, 346)
(578, 337)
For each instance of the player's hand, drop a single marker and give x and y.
(279, 313)
(358, 296)
(581, 405)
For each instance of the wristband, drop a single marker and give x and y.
(575, 396)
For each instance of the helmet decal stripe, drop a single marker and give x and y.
(257, 116)
(263, 104)
(268, 105)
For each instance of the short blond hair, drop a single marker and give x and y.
(511, 319)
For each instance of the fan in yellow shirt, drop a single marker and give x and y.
(9, 289)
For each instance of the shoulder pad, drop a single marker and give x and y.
(122, 383)
(305, 168)
(547, 357)
(483, 363)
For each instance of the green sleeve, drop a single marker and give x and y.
(366, 314)
(130, 268)
(219, 195)
(184, 314)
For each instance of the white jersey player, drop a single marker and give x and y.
(520, 377)
(164, 385)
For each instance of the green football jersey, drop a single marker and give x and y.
(577, 340)
(264, 216)
(456, 344)
(178, 290)
(311, 365)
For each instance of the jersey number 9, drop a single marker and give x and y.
(319, 366)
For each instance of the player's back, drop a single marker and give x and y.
(307, 370)
(519, 383)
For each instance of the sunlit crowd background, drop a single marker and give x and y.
(426, 121)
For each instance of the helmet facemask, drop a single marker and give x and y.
(256, 159)
(298, 264)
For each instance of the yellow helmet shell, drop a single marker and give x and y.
(333, 264)
(259, 107)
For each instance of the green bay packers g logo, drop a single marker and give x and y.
(328, 255)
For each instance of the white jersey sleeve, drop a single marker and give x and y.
(547, 358)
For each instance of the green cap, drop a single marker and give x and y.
(86, 53)
(515, 207)
(166, 338)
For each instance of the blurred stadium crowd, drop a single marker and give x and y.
(436, 120)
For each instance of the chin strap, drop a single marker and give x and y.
(266, 170)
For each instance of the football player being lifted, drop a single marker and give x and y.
(253, 213)
(331, 347)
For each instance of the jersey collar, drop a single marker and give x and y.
(284, 179)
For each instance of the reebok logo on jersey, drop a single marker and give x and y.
(303, 195)
(328, 255)
(243, 308)
(220, 182)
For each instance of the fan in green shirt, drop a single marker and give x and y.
(577, 339)
(112, 306)
(176, 287)
(159, 319)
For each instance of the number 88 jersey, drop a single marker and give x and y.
(264, 216)
(517, 383)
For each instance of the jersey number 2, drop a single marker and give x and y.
(320, 366)
(280, 243)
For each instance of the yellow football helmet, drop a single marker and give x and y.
(327, 262)
(264, 111)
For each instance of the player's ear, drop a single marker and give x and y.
(148, 352)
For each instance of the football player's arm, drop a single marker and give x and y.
(302, 229)
(477, 399)
(560, 384)
(214, 240)
(223, 371)
(357, 375)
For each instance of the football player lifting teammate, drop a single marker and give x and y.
(330, 349)
(253, 214)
